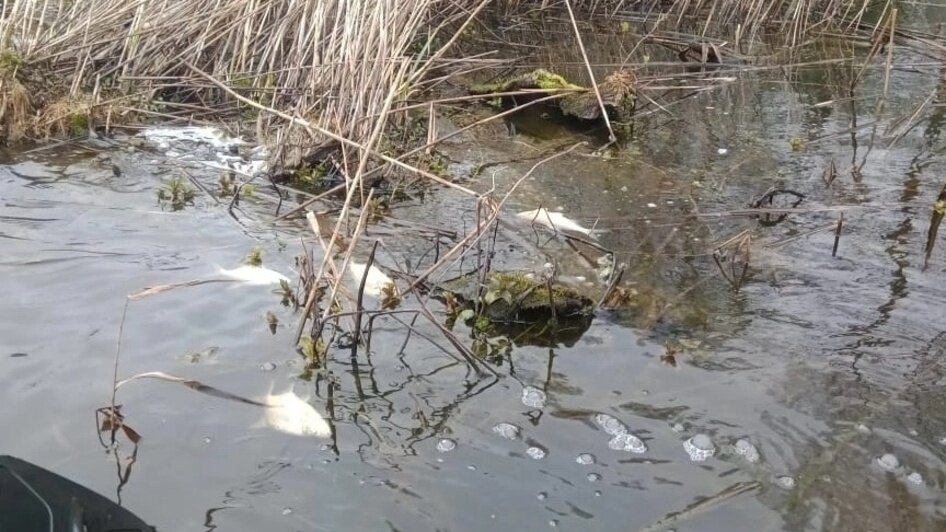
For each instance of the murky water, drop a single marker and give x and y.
(818, 385)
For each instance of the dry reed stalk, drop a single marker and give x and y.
(591, 75)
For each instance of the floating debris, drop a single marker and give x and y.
(889, 462)
(610, 424)
(555, 221)
(699, 447)
(507, 430)
(722, 151)
(627, 442)
(533, 397)
(288, 413)
(253, 275)
(542, 496)
(586, 459)
(863, 429)
(915, 478)
(445, 445)
(206, 135)
(747, 450)
(536, 453)
(267, 366)
(593, 477)
(785, 482)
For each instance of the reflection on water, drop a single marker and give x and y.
(809, 399)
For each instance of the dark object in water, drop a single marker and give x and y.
(34, 499)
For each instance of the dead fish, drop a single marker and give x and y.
(555, 221)
(285, 412)
(377, 284)
(289, 413)
(253, 275)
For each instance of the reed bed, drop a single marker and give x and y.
(331, 61)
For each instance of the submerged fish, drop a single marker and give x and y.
(553, 220)
(253, 275)
(289, 413)
(377, 282)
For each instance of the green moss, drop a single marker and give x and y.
(549, 81)
(537, 79)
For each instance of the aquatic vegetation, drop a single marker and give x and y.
(272, 321)
(936, 218)
(254, 257)
(176, 193)
(310, 176)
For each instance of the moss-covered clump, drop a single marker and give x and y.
(518, 297)
(537, 79)
(618, 93)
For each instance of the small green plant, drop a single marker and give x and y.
(287, 294)
(308, 176)
(226, 184)
(248, 190)
(797, 143)
(254, 257)
(314, 352)
(272, 321)
(10, 61)
(176, 193)
(438, 166)
(377, 208)
(78, 124)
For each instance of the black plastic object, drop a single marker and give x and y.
(33, 499)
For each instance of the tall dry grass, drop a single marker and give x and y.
(332, 61)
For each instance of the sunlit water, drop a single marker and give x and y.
(821, 379)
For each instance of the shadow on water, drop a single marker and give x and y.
(824, 364)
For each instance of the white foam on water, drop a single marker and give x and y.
(533, 397)
(445, 445)
(627, 442)
(700, 447)
(506, 430)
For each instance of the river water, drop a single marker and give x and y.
(811, 398)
